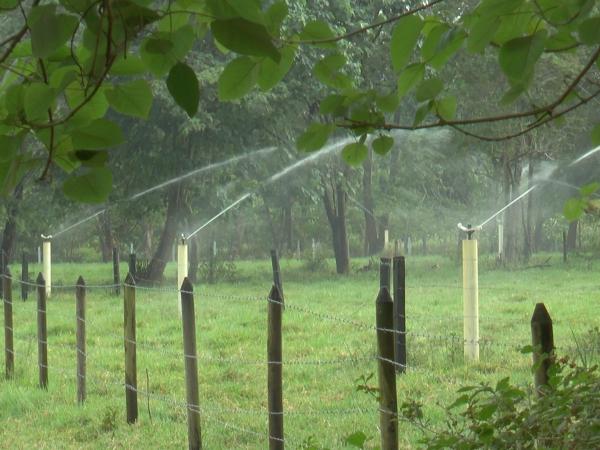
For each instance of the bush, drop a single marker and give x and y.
(506, 416)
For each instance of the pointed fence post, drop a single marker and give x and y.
(42, 331)
(400, 312)
(9, 348)
(130, 350)
(275, 370)
(384, 273)
(116, 271)
(470, 299)
(81, 347)
(24, 277)
(277, 275)
(542, 341)
(190, 356)
(388, 402)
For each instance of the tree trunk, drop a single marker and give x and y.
(334, 201)
(287, 228)
(528, 216)
(159, 260)
(271, 224)
(371, 245)
(9, 235)
(105, 236)
(572, 235)
(512, 179)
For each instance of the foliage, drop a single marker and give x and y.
(507, 416)
(66, 67)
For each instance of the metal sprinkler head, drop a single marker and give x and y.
(182, 239)
(469, 229)
(46, 238)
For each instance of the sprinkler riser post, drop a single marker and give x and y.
(182, 267)
(470, 299)
(47, 263)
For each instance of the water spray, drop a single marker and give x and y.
(470, 293)
(212, 219)
(47, 262)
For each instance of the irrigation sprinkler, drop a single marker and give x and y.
(47, 262)
(182, 266)
(470, 293)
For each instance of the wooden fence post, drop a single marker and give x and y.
(564, 235)
(190, 356)
(542, 341)
(81, 347)
(277, 275)
(42, 331)
(400, 312)
(24, 277)
(116, 271)
(384, 273)
(275, 370)
(130, 350)
(3, 268)
(388, 402)
(9, 348)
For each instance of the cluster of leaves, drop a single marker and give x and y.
(507, 416)
(585, 202)
(64, 64)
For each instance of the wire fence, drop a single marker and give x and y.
(357, 360)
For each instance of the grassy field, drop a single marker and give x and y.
(321, 401)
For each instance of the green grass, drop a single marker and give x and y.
(319, 400)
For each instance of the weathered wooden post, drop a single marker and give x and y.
(24, 277)
(182, 266)
(388, 402)
(542, 341)
(191, 365)
(81, 347)
(116, 271)
(9, 348)
(277, 275)
(470, 296)
(399, 279)
(564, 235)
(384, 273)
(3, 267)
(275, 369)
(47, 263)
(42, 331)
(130, 349)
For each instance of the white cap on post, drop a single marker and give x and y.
(47, 262)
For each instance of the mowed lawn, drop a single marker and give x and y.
(329, 346)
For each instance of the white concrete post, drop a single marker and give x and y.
(39, 252)
(470, 299)
(182, 266)
(214, 248)
(500, 238)
(47, 263)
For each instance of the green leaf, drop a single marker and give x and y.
(357, 439)
(184, 88)
(388, 103)
(422, 112)
(518, 57)
(275, 16)
(245, 38)
(314, 137)
(481, 32)
(596, 135)
(573, 209)
(238, 78)
(450, 43)
(248, 9)
(333, 104)
(93, 186)
(93, 109)
(99, 134)
(317, 30)
(432, 40)
(327, 71)
(163, 50)
(9, 146)
(270, 73)
(486, 412)
(589, 31)
(354, 154)
(589, 189)
(446, 107)
(461, 400)
(131, 65)
(132, 99)
(382, 145)
(90, 158)
(49, 30)
(38, 99)
(429, 89)
(7, 5)
(404, 38)
(409, 77)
